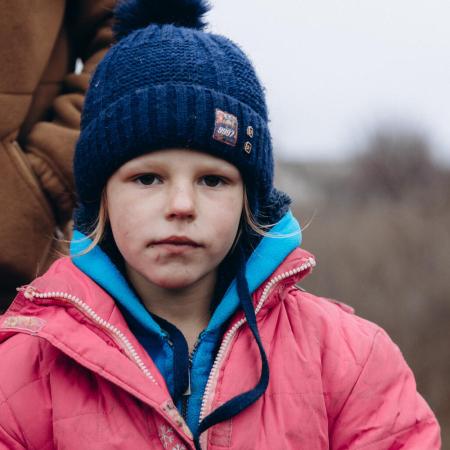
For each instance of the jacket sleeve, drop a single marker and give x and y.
(49, 145)
(36, 167)
(384, 410)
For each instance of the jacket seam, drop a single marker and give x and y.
(40, 199)
(83, 414)
(5, 402)
(50, 163)
(44, 374)
(113, 309)
(369, 354)
(11, 94)
(409, 427)
(6, 399)
(15, 440)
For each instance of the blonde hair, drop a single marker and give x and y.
(98, 231)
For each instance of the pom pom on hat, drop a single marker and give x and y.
(132, 15)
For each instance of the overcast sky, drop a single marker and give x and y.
(335, 69)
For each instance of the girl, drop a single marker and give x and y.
(176, 322)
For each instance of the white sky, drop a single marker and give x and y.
(335, 69)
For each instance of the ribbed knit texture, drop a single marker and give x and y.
(159, 88)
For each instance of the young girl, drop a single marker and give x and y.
(176, 322)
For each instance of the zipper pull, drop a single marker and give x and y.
(28, 290)
(188, 390)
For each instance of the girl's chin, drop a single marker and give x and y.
(173, 283)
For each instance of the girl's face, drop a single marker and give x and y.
(174, 215)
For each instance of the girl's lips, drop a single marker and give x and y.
(175, 248)
(177, 241)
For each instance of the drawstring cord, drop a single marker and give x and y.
(240, 402)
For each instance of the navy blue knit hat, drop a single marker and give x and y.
(167, 83)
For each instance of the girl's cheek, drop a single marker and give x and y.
(122, 224)
(232, 202)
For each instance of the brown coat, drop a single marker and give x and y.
(40, 104)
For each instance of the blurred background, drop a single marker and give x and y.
(359, 101)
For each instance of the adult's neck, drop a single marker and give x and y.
(187, 308)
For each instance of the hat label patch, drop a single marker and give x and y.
(226, 128)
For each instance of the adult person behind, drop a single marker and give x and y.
(40, 104)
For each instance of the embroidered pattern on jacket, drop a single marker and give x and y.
(168, 438)
(165, 433)
(170, 409)
(179, 447)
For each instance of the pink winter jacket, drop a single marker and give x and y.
(73, 376)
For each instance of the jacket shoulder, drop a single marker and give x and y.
(332, 317)
(342, 341)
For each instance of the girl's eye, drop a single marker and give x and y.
(148, 179)
(213, 180)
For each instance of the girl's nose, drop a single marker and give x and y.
(181, 203)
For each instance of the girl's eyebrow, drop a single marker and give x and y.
(142, 165)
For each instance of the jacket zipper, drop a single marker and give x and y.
(185, 397)
(117, 335)
(232, 332)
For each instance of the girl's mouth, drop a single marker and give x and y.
(177, 241)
